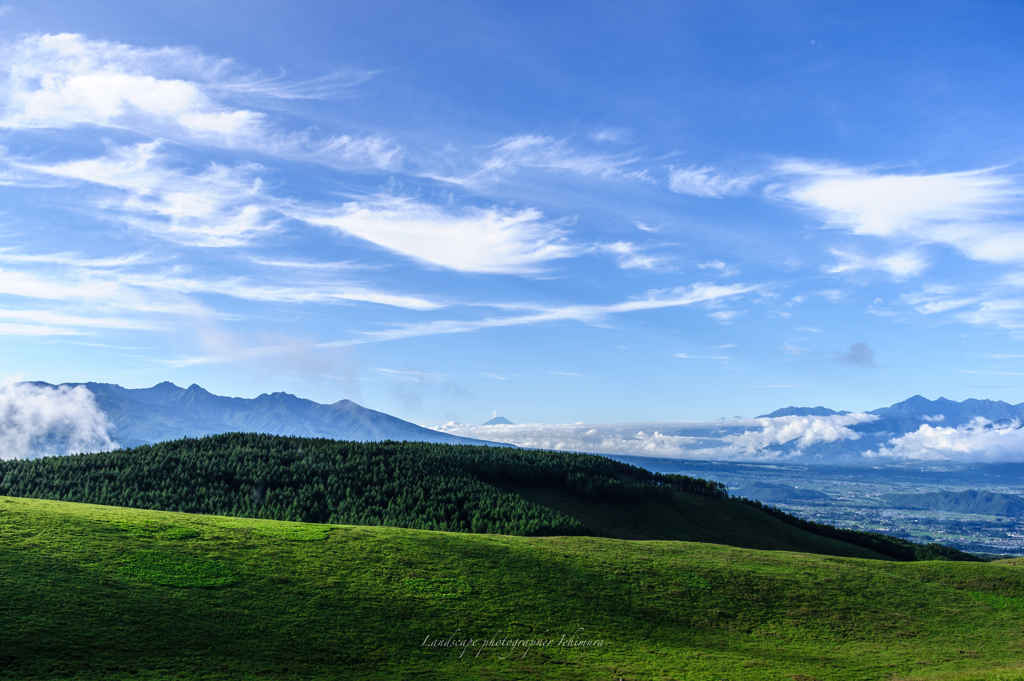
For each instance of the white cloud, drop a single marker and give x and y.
(60, 81)
(73, 295)
(724, 316)
(591, 314)
(976, 212)
(980, 441)
(720, 266)
(45, 421)
(413, 376)
(981, 310)
(229, 206)
(546, 153)
(331, 86)
(611, 135)
(1003, 314)
(802, 431)
(63, 81)
(749, 439)
(935, 299)
(220, 206)
(487, 240)
(654, 300)
(333, 292)
(629, 256)
(702, 182)
(900, 265)
(89, 299)
(789, 349)
(683, 355)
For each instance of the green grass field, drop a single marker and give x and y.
(108, 593)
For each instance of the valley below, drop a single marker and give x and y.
(853, 497)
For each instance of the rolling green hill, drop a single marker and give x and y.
(97, 592)
(431, 487)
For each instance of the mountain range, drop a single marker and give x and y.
(919, 410)
(897, 420)
(168, 412)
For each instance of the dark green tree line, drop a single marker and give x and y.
(402, 484)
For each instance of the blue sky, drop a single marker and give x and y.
(562, 212)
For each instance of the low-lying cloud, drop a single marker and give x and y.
(980, 441)
(746, 439)
(51, 421)
(765, 439)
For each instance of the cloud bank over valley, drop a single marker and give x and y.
(838, 438)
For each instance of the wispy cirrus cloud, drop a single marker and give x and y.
(705, 183)
(65, 80)
(590, 314)
(65, 293)
(723, 269)
(536, 314)
(311, 292)
(938, 298)
(229, 206)
(216, 207)
(726, 316)
(630, 256)
(683, 355)
(540, 152)
(483, 240)
(900, 265)
(976, 212)
(411, 375)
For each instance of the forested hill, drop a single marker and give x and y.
(418, 485)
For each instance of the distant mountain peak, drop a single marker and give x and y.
(802, 411)
(499, 421)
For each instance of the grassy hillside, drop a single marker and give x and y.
(427, 486)
(93, 592)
